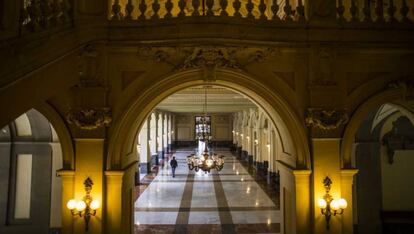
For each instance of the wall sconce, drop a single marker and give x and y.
(248, 138)
(172, 132)
(268, 146)
(241, 135)
(86, 207)
(232, 131)
(256, 141)
(237, 133)
(329, 206)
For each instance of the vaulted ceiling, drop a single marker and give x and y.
(219, 100)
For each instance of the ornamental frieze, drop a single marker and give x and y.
(326, 119)
(207, 57)
(89, 118)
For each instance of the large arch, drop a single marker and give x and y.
(389, 96)
(121, 148)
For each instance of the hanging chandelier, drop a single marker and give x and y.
(205, 161)
(203, 124)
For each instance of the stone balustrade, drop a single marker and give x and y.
(275, 10)
(348, 12)
(378, 11)
(37, 15)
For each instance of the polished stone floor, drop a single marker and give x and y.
(229, 201)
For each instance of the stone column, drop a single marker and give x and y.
(326, 163)
(144, 154)
(113, 201)
(153, 139)
(89, 163)
(303, 204)
(169, 133)
(68, 184)
(165, 133)
(160, 144)
(347, 180)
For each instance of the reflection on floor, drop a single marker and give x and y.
(230, 201)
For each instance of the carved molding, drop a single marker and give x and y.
(89, 118)
(90, 67)
(326, 119)
(208, 57)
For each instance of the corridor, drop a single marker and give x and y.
(230, 201)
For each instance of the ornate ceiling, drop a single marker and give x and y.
(219, 100)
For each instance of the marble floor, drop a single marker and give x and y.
(229, 201)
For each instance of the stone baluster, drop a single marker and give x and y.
(340, 10)
(34, 13)
(209, 5)
(404, 11)
(116, 10)
(367, 11)
(181, 5)
(142, 8)
(249, 8)
(56, 11)
(24, 16)
(129, 8)
(223, 5)
(155, 9)
(275, 10)
(300, 9)
(354, 11)
(237, 6)
(262, 10)
(391, 11)
(46, 13)
(66, 11)
(287, 9)
(196, 6)
(379, 11)
(168, 7)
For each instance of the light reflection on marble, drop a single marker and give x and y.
(211, 217)
(239, 187)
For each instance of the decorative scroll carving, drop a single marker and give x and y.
(211, 57)
(326, 119)
(90, 118)
(207, 57)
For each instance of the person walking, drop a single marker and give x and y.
(173, 164)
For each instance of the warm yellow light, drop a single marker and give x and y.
(209, 162)
(248, 138)
(322, 203)
(342, 203)
(172, 131)
(334, 205)
(268, 145)
(95, 205)
(71, 204)
(80, 205)
(256, 141)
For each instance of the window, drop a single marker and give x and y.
(23, 186)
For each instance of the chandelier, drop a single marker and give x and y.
(203, 123)
(204, 161)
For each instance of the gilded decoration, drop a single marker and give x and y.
(326, 119)
(89, 119)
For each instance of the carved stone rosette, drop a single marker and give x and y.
(326, 119)
(89, 118)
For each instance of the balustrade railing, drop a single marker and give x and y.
(276, 10)
(347, 11)
(375, 11)
(37, 15)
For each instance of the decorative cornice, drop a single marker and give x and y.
(326, 119)
(211, 56)
(90, 118)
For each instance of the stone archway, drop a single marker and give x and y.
(122, 138)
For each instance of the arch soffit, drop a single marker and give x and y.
(122, 135)
(392, 96)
